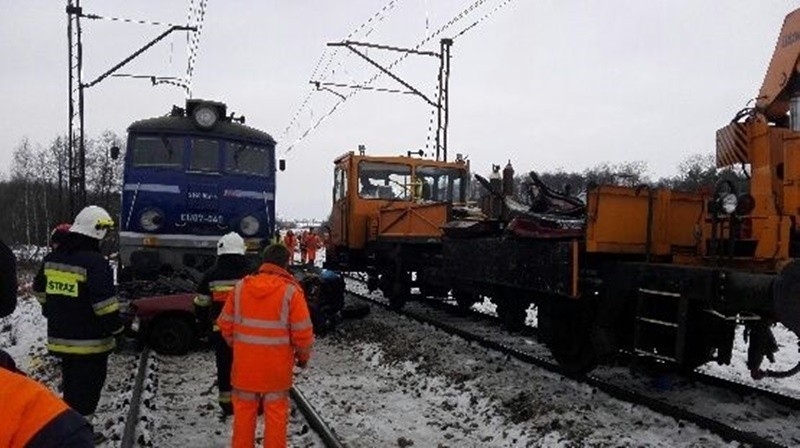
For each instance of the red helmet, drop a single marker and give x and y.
(58, 233)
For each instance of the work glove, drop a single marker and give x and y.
(302, 363)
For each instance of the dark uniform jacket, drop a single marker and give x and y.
(75, 286)
(8, 280)
(216, 284)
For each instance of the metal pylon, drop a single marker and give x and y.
(75, 140)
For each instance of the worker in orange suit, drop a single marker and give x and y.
(290, 241)
(301, 240)
(312, 244)
(34, 417)
(267, 323)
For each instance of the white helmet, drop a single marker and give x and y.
(92, 221)
(231, 243)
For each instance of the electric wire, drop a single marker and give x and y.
(119, 19)
(485, 16)
(376, 18)
(464, 13)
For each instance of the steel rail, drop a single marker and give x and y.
(723, 430)
(132, 418)
(317, 423)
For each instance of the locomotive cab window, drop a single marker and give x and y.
(380, 180)
(441, 184)
(154, 151)
(204, 155)
(246, 159)
(339, 184)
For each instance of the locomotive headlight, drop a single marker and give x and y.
(151, 220)
(205, 116)
(729, 203)
(249, 225)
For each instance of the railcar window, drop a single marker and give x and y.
(380, 180)
(204, 156)
(339, 184)
(247, 159)
(158, 152)
(441, 184)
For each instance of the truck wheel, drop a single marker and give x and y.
(171, 335)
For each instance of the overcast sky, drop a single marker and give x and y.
(548, 84)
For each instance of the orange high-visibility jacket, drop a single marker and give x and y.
(312, 243)
(32, 415)
(266, 321)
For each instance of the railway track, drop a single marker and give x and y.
(707, 390)
(133, 415)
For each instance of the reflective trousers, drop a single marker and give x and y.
(245, 413)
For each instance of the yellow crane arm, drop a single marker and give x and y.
(781, 81)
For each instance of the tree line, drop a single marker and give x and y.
(34, 193)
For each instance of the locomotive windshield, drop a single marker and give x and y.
(247, 159)
(380, 180)
(163, 152)
(441, 184)
(204, 155)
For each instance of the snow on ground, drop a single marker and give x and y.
(388, 381)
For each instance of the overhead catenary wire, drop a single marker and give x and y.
(373, 20)
(196, 18)
(464, 13)
(136, 21)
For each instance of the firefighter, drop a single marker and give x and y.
(290, 241)
(75, 286)
(266, 321)
(312, 244)
(214, 287)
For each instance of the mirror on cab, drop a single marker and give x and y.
(114, 152)
(282, 165)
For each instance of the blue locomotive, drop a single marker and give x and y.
(190, 177)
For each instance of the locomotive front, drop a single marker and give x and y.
(189, 178)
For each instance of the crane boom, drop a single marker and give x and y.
(781, 81)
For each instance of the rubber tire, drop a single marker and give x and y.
(171, 335)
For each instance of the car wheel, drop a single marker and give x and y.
(171, 336)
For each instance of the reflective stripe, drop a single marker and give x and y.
(259, 396)
(272, 396)
(215, 327)
(224, 397)
(261, 340)
(302, 325)
(283, 323)
(225, 316)
(260, 323)
(202, 300)
(244, 395)
(106, 306)
(80, 346)
(81, 271)
(237, 298)
(287, 297)
(118, 330)
(229, 284)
